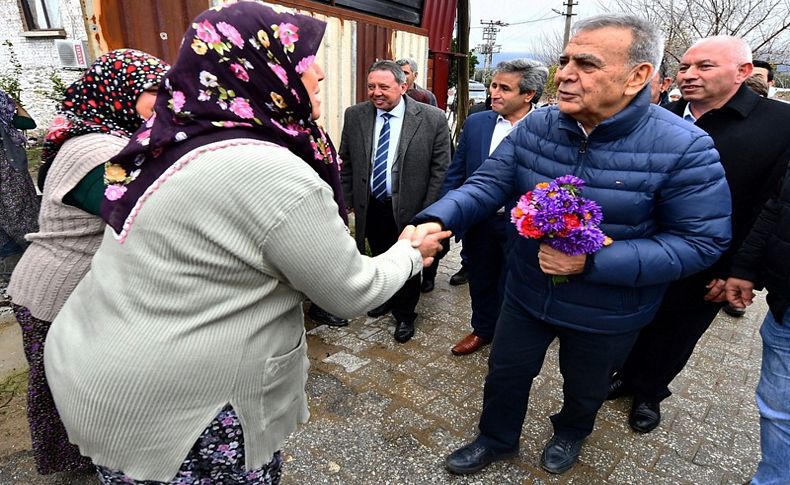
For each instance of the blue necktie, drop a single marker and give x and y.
(379, 182)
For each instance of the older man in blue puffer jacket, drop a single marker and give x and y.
(665, 202)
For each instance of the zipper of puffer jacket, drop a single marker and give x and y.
(549, 283)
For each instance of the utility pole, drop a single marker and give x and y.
(568, 14)
(462, 90)
(489, 46)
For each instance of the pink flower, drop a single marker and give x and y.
(178, 101)
(206, 33)
(114, 192)
(305, 64)
(239, 71)
(204, 95)
(144, 135)
(231, 33)
(241, 108)
(58, 128)
(287, 34)
(278, 69)
(289, 129)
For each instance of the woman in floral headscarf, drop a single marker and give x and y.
(18, 200)
(224, 213)
(98, 115)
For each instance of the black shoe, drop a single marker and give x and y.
(644, 416)
(461, 277)
(473, 458)
(404, 331)
(427, 285)
(560, 454)
(734, 312)
(319, 315)
(380, 310)
(617, 388)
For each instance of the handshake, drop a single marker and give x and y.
(427, 238)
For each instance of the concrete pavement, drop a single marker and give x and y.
(384, 412)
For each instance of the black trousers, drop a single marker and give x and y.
(665, 345)
(587, 361)
(484, 245)
(382, 232)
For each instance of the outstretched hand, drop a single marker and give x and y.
(740, 293)
(427, 238)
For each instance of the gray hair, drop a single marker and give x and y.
(390, 66)
(533, 75)
(408, 60)
(648, 40)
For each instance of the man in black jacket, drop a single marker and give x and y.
(752, 135)
(763, 262)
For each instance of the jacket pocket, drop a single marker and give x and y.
(283, 386)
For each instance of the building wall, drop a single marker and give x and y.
(38, 56)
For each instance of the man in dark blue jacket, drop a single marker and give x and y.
(515, 87)
(753, 140)
(665, 203)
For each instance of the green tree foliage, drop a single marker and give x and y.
(473, 62)
(9, 79)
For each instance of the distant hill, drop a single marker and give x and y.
(506, 56)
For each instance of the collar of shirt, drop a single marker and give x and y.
(398, 111)
(502, 128)
(501, 119)
(688, 115)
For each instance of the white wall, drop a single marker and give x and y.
(38, 56)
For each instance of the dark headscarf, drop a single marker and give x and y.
(238, 75)
(13, 140)
(103, 100)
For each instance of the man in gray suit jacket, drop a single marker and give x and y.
(395, 154)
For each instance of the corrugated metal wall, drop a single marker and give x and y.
(374, 42)
(152, 26)
(337, 56)
(405, 44)
(348, 49)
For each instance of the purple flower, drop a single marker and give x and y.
(570, 180)
(590, 212)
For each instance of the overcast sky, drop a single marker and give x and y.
(528, 19)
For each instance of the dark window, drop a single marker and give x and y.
(41, 14)
(406, 11)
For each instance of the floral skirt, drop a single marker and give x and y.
(217, 458)
(51, 448)
(19, 204)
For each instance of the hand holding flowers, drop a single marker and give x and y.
(556, 213)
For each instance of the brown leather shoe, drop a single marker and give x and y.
(469, 344)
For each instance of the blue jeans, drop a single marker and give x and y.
(773, 400)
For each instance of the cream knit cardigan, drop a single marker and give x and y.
(60, 252)
(201, 306)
